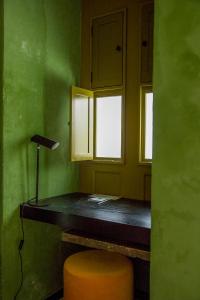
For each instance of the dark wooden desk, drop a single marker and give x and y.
(125, 221)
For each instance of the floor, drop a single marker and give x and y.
(136, 298)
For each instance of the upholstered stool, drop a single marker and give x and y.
(98, 275)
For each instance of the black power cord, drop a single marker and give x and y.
(21, 244)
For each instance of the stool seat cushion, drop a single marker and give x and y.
(98, 275)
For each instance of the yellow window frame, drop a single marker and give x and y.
(144, 89)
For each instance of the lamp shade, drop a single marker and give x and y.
(45, 142)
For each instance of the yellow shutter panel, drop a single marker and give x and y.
(81, 124)
(147, 24)
(108, 50)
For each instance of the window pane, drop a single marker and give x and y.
(108, 126)
(148, 125)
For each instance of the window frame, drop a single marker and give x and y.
(144, 89)
(91, 157)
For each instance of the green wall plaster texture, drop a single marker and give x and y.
(41, 62)
(1, 135)
(175, 263)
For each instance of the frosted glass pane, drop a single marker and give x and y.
(108, 126)
(148, 125)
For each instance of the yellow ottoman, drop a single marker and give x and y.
(98, 275)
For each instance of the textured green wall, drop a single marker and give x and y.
(175, 264)
(1, 136)
(41, 61)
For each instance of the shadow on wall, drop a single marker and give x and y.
(56, 119)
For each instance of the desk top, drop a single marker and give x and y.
(123, 220)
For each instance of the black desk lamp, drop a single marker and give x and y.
(50, 144)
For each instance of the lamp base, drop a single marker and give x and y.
(33, 202)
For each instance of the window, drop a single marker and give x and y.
(108, 127)
(146, 124)
(104, 113)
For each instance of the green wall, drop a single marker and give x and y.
(1, 136)
(175, 263)
(41, 62)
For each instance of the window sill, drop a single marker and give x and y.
(104, 161)
(145, 163)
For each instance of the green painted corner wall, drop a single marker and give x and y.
(1, 136)
(41, 62)
(175, 264)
